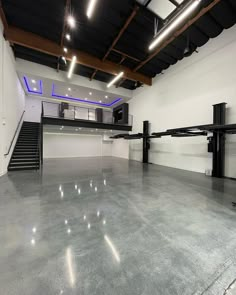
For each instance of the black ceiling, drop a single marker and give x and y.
(94, 36)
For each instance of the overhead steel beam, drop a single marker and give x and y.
(175, 3)
(35, 42)
(121, 32)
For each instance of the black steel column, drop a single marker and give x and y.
(146, 141)
(218, 141)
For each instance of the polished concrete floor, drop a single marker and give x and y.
(114, 227)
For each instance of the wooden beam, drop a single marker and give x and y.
(126, 55)
(121, 32)
(35, 42)
(178, 33)
(122, 59)
(93, 75)
(125, 26)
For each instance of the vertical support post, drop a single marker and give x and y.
(146, 142)
(218, 142)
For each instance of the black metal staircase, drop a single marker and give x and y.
(26, 155)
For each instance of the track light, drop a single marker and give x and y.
(64, 59)
(72, 66)
(91, 7)
(115, 79)
(65, 49)
(68, 37)
(174, 24)
(71, 21)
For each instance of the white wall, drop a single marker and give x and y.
(184, 96)
(12, 101)
(120, 148)
(68, 145)
(58, 145)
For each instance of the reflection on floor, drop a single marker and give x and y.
(111, 226)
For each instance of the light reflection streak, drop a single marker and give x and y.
(113, 249)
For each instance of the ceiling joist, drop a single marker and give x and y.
(121, 32)
(35, 42)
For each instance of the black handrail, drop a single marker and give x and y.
(15, 134)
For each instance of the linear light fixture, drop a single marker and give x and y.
(177, 21)
(72, 66)
(115, 79)
(91, 7)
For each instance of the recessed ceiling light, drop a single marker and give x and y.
(100, 101)
(68, 37)
(71, 21)
(69, 89)
(65, 49)
(66, 94)
(86, 98)
(33, 81)
(90, 93)
(80, 128)
(35, 89)
(106, 96)
(64, 59)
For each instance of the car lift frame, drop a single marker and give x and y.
(215, 134)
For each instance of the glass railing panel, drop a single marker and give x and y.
(81, 113)
(107, 117)
(51, 109)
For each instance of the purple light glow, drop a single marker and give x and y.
(40, 91)
(83, 100)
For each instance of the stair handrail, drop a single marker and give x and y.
(18, 125)
(40, 138)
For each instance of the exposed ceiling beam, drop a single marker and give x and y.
(35, 42)
(121, 32)
(126, 55)
(125, 26)
(178, 33)
(68, 2)
(122, 59)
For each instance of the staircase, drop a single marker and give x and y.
(26, 152)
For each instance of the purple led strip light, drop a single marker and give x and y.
(83, 100)
(33, 91)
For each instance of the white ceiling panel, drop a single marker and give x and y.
(161, 7)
